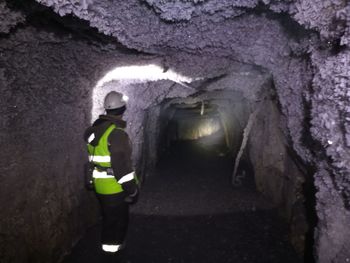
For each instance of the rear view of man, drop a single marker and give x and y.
(113, 176)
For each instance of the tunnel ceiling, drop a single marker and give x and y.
(164, 22)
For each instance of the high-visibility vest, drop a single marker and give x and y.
(104, 182)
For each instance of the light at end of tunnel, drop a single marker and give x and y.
(330, 142)
(125, 98)
(196, 128)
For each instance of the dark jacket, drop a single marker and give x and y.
(118, 144)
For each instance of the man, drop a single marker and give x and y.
(113, 177)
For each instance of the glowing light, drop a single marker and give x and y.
(208, 128)
(125, 98)
(330, 142)
(192, 130)
(149, 72)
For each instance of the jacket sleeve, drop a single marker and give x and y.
(87, 133)
(121, 150)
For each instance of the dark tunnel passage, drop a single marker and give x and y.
(190, 212)
(198, 123)
(238, 115)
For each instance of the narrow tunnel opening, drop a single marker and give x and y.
(199, 140)
(198, 125)
(195, 135)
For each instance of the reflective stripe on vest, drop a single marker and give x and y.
(127, 178)
(107, 185)
(99, 159)
(98, 174)
(100, 155)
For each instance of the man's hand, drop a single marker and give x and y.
(132, 198)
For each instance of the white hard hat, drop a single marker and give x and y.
(114, 100)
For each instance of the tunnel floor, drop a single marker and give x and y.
(188, 212)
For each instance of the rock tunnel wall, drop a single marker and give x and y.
(45, 105)
(47, 79)
(231, 91)
(310, 70)
(276, 172)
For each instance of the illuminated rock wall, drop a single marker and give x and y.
(45, 106)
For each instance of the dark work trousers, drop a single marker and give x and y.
(115, 219)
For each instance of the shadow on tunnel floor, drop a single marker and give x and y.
(257, 236)
(188, 212)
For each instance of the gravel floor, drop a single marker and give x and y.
(188, 212)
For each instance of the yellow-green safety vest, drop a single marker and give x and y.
(104, 183)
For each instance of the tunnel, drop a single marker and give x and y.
(238, 112)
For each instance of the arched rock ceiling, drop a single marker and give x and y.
(253, 39)
(122, 19)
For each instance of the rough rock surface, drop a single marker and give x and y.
(327, 17)
(267, 44)
(332, 235)
(330, 127)
(247, 80)
(46, 85)
(9, 19)
(324, 16)
(276, 173)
